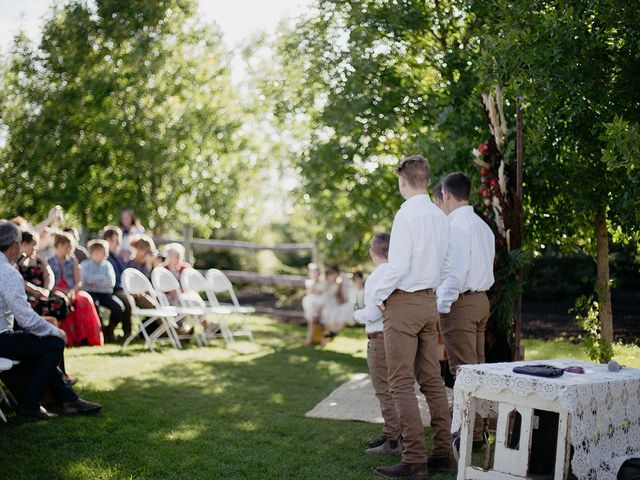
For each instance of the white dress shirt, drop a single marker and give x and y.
(15, 307)
(469, 265)
(417, 248)
(371, 315)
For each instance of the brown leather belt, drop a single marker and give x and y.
(374, 335)
(402, 292)
(468, 293)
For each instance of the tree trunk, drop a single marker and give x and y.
(603, 290)
(84, 230)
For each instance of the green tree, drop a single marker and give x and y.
(374, 81)
(125, 105)
(575, 64)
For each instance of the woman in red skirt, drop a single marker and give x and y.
(82, 326)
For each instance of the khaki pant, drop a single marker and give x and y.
(377, 361)
(411, 344)
(463, 330)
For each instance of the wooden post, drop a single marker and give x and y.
(315, 258)
(188, 244)
(518, 354)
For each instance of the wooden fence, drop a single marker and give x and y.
(190, 243)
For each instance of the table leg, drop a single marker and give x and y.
(562, 447)
(466, 438)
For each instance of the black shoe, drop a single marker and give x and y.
(442, 464)
(80, 406)
(403, 470)
(376, 442)
(39, 414)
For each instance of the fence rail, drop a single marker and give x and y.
(190, 243)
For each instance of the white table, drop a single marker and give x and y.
(599, 416)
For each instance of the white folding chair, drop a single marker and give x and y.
(135, 283)
(219, 283)
(6, 364)
(193, 283)
(167, 285)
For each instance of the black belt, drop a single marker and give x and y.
(374, 335)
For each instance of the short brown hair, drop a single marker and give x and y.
(143, 242)
(63, 238)
(97, 244)
(415, 170)
(437, 190)
(109, 232)
(380, 244)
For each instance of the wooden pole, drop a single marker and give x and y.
(188, 244)
(517, 244)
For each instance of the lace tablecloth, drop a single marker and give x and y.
(604, 408)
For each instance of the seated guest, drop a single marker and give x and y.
(113, 236)
(79, 251)
(144, 257)
(144, 254)
(83, 325)
(35, 270)
(39, 344)
(39, 282)
(174, 253)
(371, 317)
(98, 280)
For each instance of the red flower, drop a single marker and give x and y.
(482, 148)
(484, 171)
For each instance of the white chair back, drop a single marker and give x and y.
(219, 282)
(135, 283)
(166, 283)
(193, 281)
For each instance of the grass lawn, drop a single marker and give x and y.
(208, 413)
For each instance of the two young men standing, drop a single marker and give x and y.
(434, 264)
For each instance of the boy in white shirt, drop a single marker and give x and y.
(406, 295)
(371, 317)
(462, 300)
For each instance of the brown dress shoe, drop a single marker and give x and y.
(40, 414)
(403, 470)
(442, 464)
(80, 406)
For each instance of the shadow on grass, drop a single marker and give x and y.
(236, 418)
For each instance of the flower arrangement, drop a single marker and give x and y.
(498, 206)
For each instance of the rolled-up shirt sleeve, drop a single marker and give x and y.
(457, 264)
(15, 298)
(399, 260)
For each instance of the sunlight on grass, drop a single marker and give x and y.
(535, 349)
(193, 413)
(185, 433)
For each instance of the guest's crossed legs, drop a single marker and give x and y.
(42, 355)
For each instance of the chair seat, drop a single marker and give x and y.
(238, 309)
(6, 364)
(155, 312)
(189, 310)
(219, 310)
